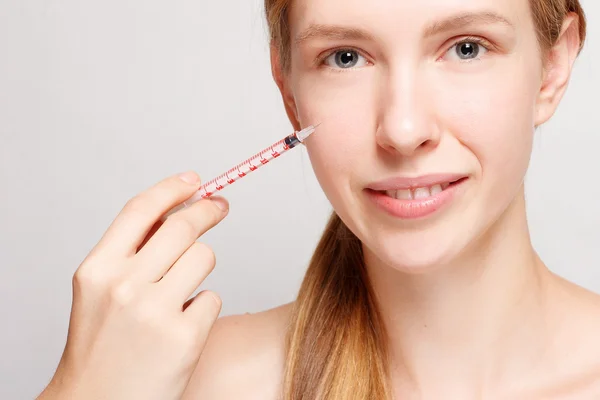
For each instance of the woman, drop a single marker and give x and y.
(425, 283)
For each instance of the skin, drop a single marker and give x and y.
(471, 311)
(133, 333)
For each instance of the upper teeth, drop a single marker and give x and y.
(417, 193)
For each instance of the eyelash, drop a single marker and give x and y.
(466, 39)
(472, 39)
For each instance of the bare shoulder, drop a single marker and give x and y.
(579, 354)
(580, 308)
(243, 358)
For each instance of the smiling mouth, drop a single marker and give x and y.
(420, 192)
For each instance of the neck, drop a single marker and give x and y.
(472, 325)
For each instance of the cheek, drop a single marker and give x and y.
(336, 99)
(492, 114)
(344, 111)
(334, 154)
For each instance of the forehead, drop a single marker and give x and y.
(402, 16)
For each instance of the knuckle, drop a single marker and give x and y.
(121, 293)
(209, 213)
(184, 225)
(133, 204)
(204, 256)
(205, 252)
(137, 206)
(88, 277)
(81, 277)
(143, 203)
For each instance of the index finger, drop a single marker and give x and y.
(131, 226)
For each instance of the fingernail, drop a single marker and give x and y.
(220, 202)
(190, 177)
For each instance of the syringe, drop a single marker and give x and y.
(244, 168)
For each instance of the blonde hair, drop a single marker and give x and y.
(336, 347)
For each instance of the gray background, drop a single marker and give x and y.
(99, 100)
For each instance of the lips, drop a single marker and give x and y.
(410, 198)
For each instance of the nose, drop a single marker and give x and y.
(406, 122)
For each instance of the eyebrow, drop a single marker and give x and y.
(316, 31)
(466, 19)
(333, 32)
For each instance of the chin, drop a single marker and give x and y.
(413, 261)
(414, 252)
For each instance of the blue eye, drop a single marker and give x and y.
(345, 59)
(467, 50)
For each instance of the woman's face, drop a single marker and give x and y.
(428, 110)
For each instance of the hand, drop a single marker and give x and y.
(133, 333)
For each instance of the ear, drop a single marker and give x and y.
(281, 79)
(557, 69)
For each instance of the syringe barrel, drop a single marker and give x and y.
(241, 170)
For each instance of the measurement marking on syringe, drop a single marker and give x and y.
(249, 165)
(244, 168)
